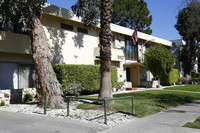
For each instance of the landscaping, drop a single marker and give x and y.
(195, 88)
(195, 124)
(147, 102)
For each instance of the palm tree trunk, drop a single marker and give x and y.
(105, 51)
(47, 78)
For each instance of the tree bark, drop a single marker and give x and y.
(47, 78)
(105, 51)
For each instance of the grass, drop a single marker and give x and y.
(195, 124)
(195, 88)
(147, 102)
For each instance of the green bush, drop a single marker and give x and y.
(88, 76)
(119, 86)
(194, 80)
(197, 75)
(73, 89)
(172, 77)
(2, 103)
(182, 80)
(28, 97)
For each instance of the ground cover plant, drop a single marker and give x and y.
(147, 102)
(195, 88)
(195, 124)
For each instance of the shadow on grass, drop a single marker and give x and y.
(162, 98)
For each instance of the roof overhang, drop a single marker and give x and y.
(66, 14)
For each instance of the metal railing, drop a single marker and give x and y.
(101, 100)
(92, 99)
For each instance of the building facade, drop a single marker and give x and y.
(70, 42)
(176, 48)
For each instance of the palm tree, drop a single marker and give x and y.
(90, 10)
(105, 51)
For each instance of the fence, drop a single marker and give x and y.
(92, 99)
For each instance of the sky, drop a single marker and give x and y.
(164, 14)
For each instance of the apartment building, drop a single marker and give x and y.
(70, 42)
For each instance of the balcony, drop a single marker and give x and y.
(116, 54)
(14, 43)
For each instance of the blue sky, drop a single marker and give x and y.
(164, 14)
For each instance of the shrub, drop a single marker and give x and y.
(87, 76)
(197, 75)
(73, 89)
(170, 78)
(194, 80)
(182, 80)
(2, 103)
(173, 76)
(120, 85)
(159, 60)
(28, 97)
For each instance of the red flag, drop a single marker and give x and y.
(134, 37)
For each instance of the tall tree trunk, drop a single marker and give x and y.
(46, 74)
(105, 51)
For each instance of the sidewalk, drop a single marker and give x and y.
(169, 121)
(25, 123)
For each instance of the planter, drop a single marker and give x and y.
(131, 89)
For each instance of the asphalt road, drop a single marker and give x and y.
(24, 123)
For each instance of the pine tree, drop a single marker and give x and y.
(188, 26)
(133, 14)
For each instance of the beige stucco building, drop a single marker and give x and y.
(70, 42)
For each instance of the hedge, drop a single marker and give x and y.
(87, 75)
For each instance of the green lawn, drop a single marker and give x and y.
(195, 88)
(148, 102)
(195, 124)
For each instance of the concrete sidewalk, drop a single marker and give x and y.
(25, 123)
(169, 121)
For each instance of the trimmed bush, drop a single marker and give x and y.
(172, 77)
(88, 76)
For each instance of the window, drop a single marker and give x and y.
(112, 42)
(82, 30)
(16, 75)
(66, 27)
(131, 52)
(27, 76)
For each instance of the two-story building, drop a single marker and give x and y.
(177, 46)
(70, 42)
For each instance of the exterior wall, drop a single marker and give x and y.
(70, 47)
